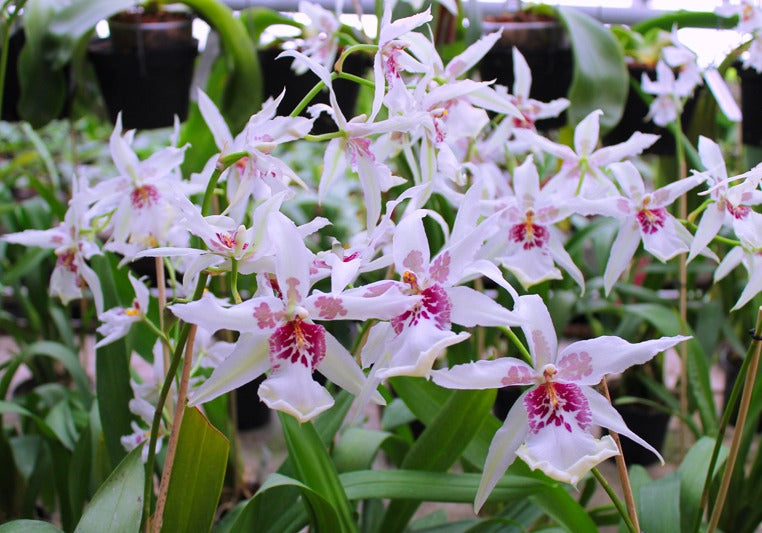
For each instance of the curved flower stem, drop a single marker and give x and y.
(700, 209)
(743, 410)
(176, 422)
(520, 345)
(717, 238)
(339, 65)
(621, 467)
(234, 281)
(614, 499)
(309, 96)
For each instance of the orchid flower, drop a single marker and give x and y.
(116, 322)
(749, 21)
(319, 38)
(353, 147)
(413, 340)
(225, 241)
(528, 245)
(531, 110)
(72, 248)
(728, 203)
(749, 254)
(643, 217)
(278, 332)
(258, 175)
(391, 59)
(141, 215)
(669, 92)
(549, 426)
(678, 56)
(582, 171)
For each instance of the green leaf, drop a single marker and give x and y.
(10, 407)
(418, 485)
(692, 474)
(659, 505)
(357, 448)
(117, 505)
(29, 261)
(600, 77)
(197, 475)
(28, 526)
(68, 358)
(441, 444)
(314, 467)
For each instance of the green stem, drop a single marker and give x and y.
(582, 171)
(700, 209)
(356, 79)
(614, 499)
(324, 136)
(223, 163)
(7, 27)
(159, 333)
(171, 371)
(234, 281)
(716, 238)
(352, 49)
(520, 345)
(309, 96)
(749, 369)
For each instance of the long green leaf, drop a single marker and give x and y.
(197, 475)
(600, 77)
(434, 486)
(358, 446)
(692, 474)
(117, 505)
(315, 469)
(441, 444)
(68, 358)
(659, 505)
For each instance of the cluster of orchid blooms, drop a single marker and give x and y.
(440, 125)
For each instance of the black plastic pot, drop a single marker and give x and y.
(545, 46)
(12, 90)
(278, 76)
(149, 87)
(648, 424)
(751, 88)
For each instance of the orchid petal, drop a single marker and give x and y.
(292, 259)
(629, 179)
(586, 133)
(472, 308)
(480, 375)
(340, 367)
(334, 165)
(248, 317)
(538, 329)
(587, 362)
(622, 251)
(292, 389)
(631, 147)
(410, 245)
(709, 226)
(217, 125)
(522, 75)
(246, 362)
(502, 450)
(346, 306)
(466, 60)
(606, 416)
(731, 260)
(754, 285)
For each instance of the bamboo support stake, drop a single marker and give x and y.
(172, 445)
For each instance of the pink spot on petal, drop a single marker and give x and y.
(292, 294)
(266, 318)
(738, 212)
(329, 307)
(575, 366)
(414, 261)
(378, 290)
(440, 268)
(529, 235)
(517, 375)
(434, 305)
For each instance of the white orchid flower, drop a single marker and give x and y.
(319, 38)
(278, 332)
(529, 245)
(550, 425)
(643, 217)
(669, 91)
(749, 254)
(729, 204)
(72, 248)
(116, 322)
(582, 171)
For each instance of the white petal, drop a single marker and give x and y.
(247, 361)
(586, 133)
(633, 146)
(709, 225)
(463, 62)
(586, 362)
(731, 260)
(322, 306)
(753, 286)
(624, 247)
(217, 125)
(292, 258)
(522, 75)
(472, 308)
(606, 416)
(410, 245)
(292, 390)
(480, 375)
(340, 367)
(629, 179)
(502, 450)
(538, 329)
(667, 241)
(250, 316)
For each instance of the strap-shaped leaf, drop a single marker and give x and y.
(358, 447)
(28, 526)
(117, 505)
(313, 466)
(197, 475)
